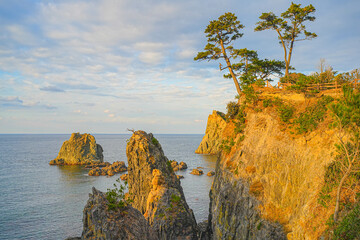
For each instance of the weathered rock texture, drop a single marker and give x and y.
(212, 140)
(109, 169)
(156, 191)
(102, 224)
(178, 166)
(197, 171)
(235, 213)
(80, 149)
(271, 176)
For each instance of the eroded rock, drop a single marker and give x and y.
(80, 149)
(101, 223)
(178, 166)
(197, 171)
(156, 191)
(110, 170)
(211, 142)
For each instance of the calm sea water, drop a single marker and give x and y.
(39, 201)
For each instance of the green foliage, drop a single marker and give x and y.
(290, 27)
(168, 164)
(175, 198)
(347, 111)
(349, 227)
(309, 119)
(225, 147)
(116, 197)
(286, 112)
(331, 179)
(155, 141)
(267, 102)
(232, 110)
(241, 120)
(220, 34)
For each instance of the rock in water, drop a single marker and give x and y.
(80, 149)
(101, 223)
(156, 191)
(197, 171)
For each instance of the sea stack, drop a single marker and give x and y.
(156, 190)
(80, 149)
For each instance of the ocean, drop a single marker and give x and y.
(39, 201)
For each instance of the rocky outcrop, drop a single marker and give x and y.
(156, 191)
(178, 166)
(271, 177)
(212, 140)
(109, 169)
(235, 214)
(211, 173)
(197, 171)
(101, 223)
(80, 149)
(124, 177)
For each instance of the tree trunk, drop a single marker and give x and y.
(287, 64)
(230, 68)
(336, 213)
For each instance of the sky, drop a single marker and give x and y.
(105, 66)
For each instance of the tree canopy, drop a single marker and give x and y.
(289, 27)
(220, 34)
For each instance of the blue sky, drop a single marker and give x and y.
(105, 66)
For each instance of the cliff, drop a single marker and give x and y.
(212, 140)
(80, 149)
(267, 183)
(156, 191)
(100, 223)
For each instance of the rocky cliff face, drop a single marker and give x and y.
(80, 149)
(100, 223)
(267, 185)
(211, 142)
(235, 212)
(156, 191)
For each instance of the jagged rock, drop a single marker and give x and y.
(156, 191)
(178, 166)
(110, 170)
(211, 142)
(124, 177)
(95, 165)
(234, 213)
(211, 173)
(197, 171)
(204, 230)
(80, 149)
(101, 223)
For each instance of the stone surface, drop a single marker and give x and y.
(197, 171)
(124, 177)
(178, 166)
(156, 191)
(110, 170)
(234, 213)
(101, 223)
(211, 142)
(80, 149)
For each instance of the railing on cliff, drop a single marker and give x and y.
(317, 86)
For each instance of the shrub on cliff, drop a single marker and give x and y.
(232, 110)
(116, 197)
